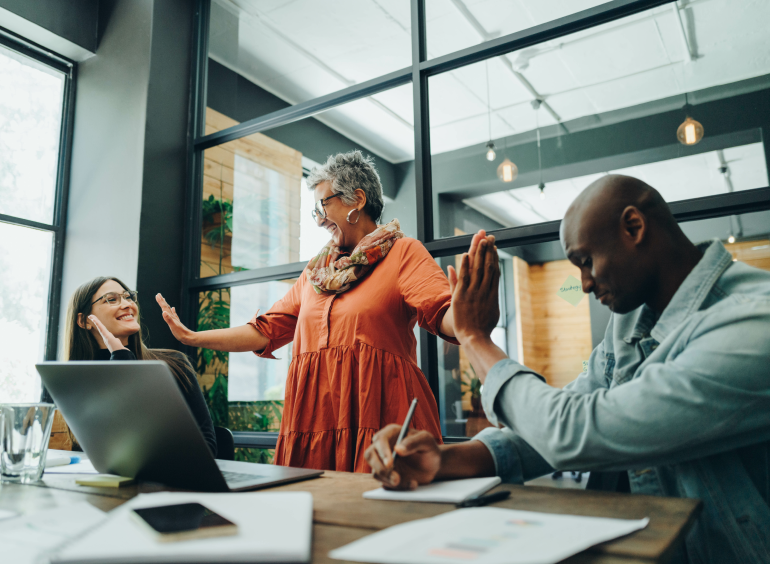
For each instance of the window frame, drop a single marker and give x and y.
(418, 74)
(58, 227)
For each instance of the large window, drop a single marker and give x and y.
(560, 92)
(35, 106)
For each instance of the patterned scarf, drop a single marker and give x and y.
(329, 273)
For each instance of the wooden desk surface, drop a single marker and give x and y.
(341, 515)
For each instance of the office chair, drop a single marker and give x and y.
(225, 443)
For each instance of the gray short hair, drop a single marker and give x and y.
(347, 172)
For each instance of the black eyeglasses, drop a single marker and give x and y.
(319, 212)
(114, 298)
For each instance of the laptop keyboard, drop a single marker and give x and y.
(237, 477)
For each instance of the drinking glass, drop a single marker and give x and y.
(25, 438)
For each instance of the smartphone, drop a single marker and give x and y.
(185, 521)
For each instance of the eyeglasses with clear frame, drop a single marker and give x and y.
(319, 211)
(114, 298)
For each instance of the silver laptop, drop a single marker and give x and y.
(132, 420)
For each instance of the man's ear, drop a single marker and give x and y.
(633, 225)
(81, 322)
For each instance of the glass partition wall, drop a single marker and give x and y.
(474, 122)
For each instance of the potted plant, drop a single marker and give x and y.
(472, 384)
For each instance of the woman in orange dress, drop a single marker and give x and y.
(351, 315)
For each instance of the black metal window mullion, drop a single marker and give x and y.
(68, 68)
(419, 73)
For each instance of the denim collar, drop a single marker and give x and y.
(694, 289)
(687, 299)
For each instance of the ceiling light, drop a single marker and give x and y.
(541, 186)
(491, 151)
(731, 239)
(689, 132)
(507, 171)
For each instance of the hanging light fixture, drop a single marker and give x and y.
(731, 239)
(507, 171)
(690, 131)
(491, 151)
(490, 146)
(536, 105)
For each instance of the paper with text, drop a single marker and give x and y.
(571, 291)
(487, 535)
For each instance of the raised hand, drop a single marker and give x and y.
(418, 462)
(472, 253)
(179, 330)
(108, 337)
(475, 296)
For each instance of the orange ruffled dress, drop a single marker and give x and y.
(354, 365)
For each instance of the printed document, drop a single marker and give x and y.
(486, 535)
(30, 538)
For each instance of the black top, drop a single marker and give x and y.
(192, 394)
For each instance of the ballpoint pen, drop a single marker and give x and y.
(405, 427)
(481, 500)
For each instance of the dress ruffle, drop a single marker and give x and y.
(338, 398)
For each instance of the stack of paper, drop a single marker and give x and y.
(455, 491)
(272, 527)
(486, 535)
(30, 538)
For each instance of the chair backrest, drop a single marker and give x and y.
(225, 443)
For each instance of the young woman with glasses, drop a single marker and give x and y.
(351, 316)
(103, 324)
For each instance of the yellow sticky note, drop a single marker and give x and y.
(105, 480)
(585, 365)
(571, 291)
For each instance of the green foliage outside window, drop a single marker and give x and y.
(213, 314)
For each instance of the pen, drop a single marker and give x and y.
(61, 461)
(405, 428)
(481, 500)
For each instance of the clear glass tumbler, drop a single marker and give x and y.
(25, 441)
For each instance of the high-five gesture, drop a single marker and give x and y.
(475, 303)
(108, 337)
(179, 330)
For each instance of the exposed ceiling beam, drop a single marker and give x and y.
(680, 26)
(250, 11)
(486, 36)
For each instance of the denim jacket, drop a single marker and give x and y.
(681, 402)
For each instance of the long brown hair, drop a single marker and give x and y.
(79, 343)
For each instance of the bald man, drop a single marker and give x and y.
(677, 394)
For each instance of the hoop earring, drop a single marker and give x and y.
(357, 216)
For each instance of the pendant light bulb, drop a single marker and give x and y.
(491, 151)
(541, 186)
(507, 171)
(731, 239)
(689, 132)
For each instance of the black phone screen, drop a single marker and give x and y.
(169, 519)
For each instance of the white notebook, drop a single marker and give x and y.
(455, 491)
(272, 527)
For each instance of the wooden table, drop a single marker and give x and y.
(341, 515)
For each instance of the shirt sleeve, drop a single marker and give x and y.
(279, 323)
(710, 395)
(424, 287)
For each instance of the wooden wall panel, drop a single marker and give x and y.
(756, 253)
(219, 179)
(554, 337)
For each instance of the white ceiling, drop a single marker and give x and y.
(302, 49)
(676, 179)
